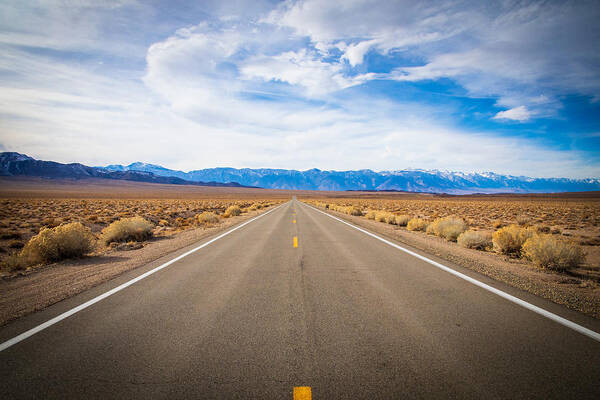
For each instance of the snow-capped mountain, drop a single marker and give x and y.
(413, 180)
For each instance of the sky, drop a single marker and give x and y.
(511, 87)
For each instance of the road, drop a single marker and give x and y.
(256, 313)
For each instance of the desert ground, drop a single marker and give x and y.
(29, 205)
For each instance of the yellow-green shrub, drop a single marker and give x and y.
(402, 220)
(207, 217)
(126, 230)
(232, 211)
(382, 216)
(55, 244)
(416, 224)
(448, 227)
(475, 240)
(352, 210)
(510, 239)
(371, 214)
(546, 251)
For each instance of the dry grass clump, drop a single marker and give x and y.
(370, 214)
(448, 228)
(127, 229)
(255, 206)
(59, 243)
(232, 211)
(402, 220)
(352, 210)
(510, 239)
(546, 251)
(417, 224)
(381, 216)
(207, 218)
(475, 240)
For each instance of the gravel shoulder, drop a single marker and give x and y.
(42, 287)
(569, 291)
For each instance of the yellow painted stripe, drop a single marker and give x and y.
(302, 393)
(295, 241)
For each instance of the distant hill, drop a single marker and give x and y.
(425, 181)
(16, 164)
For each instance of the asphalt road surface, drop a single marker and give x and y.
(258, 313)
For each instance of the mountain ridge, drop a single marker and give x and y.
(411, 180)
(17, 164)
(406, 180)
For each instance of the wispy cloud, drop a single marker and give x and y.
(516, 114)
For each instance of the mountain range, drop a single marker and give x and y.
(16, 164)
(411, 180)
(429, 181)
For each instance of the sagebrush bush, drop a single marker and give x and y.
(380, 216)
(371, 214)
(207, 217)
(59, 243)
(546, 251)
(402, 220)
(390, 219)
(354, 211)
(475, 240)
(510, 239)
(448, 228)
(232, 211)
(417, 224)
(127, 229)
(13, 262)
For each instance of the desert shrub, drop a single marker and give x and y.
(416, 224)
(510, 239)
(497, 224)
(523, 220)
(384, 216)
(390, 219)
(59, 243)
(232, 211)
(127, 229)
(546, 251)
(448, 228)
(402, 220)
(371, 214)
(207, 217)
(12, 262)
(354, 211)
(254, 207)
(475, 240)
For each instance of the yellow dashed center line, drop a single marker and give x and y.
(302, 393)
(295, 241)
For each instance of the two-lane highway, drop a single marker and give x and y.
(296, 299)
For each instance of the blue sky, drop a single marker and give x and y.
(511, 87)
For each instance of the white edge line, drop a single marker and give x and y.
(569, 324)
(41, 327)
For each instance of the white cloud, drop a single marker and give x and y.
(520, 114)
